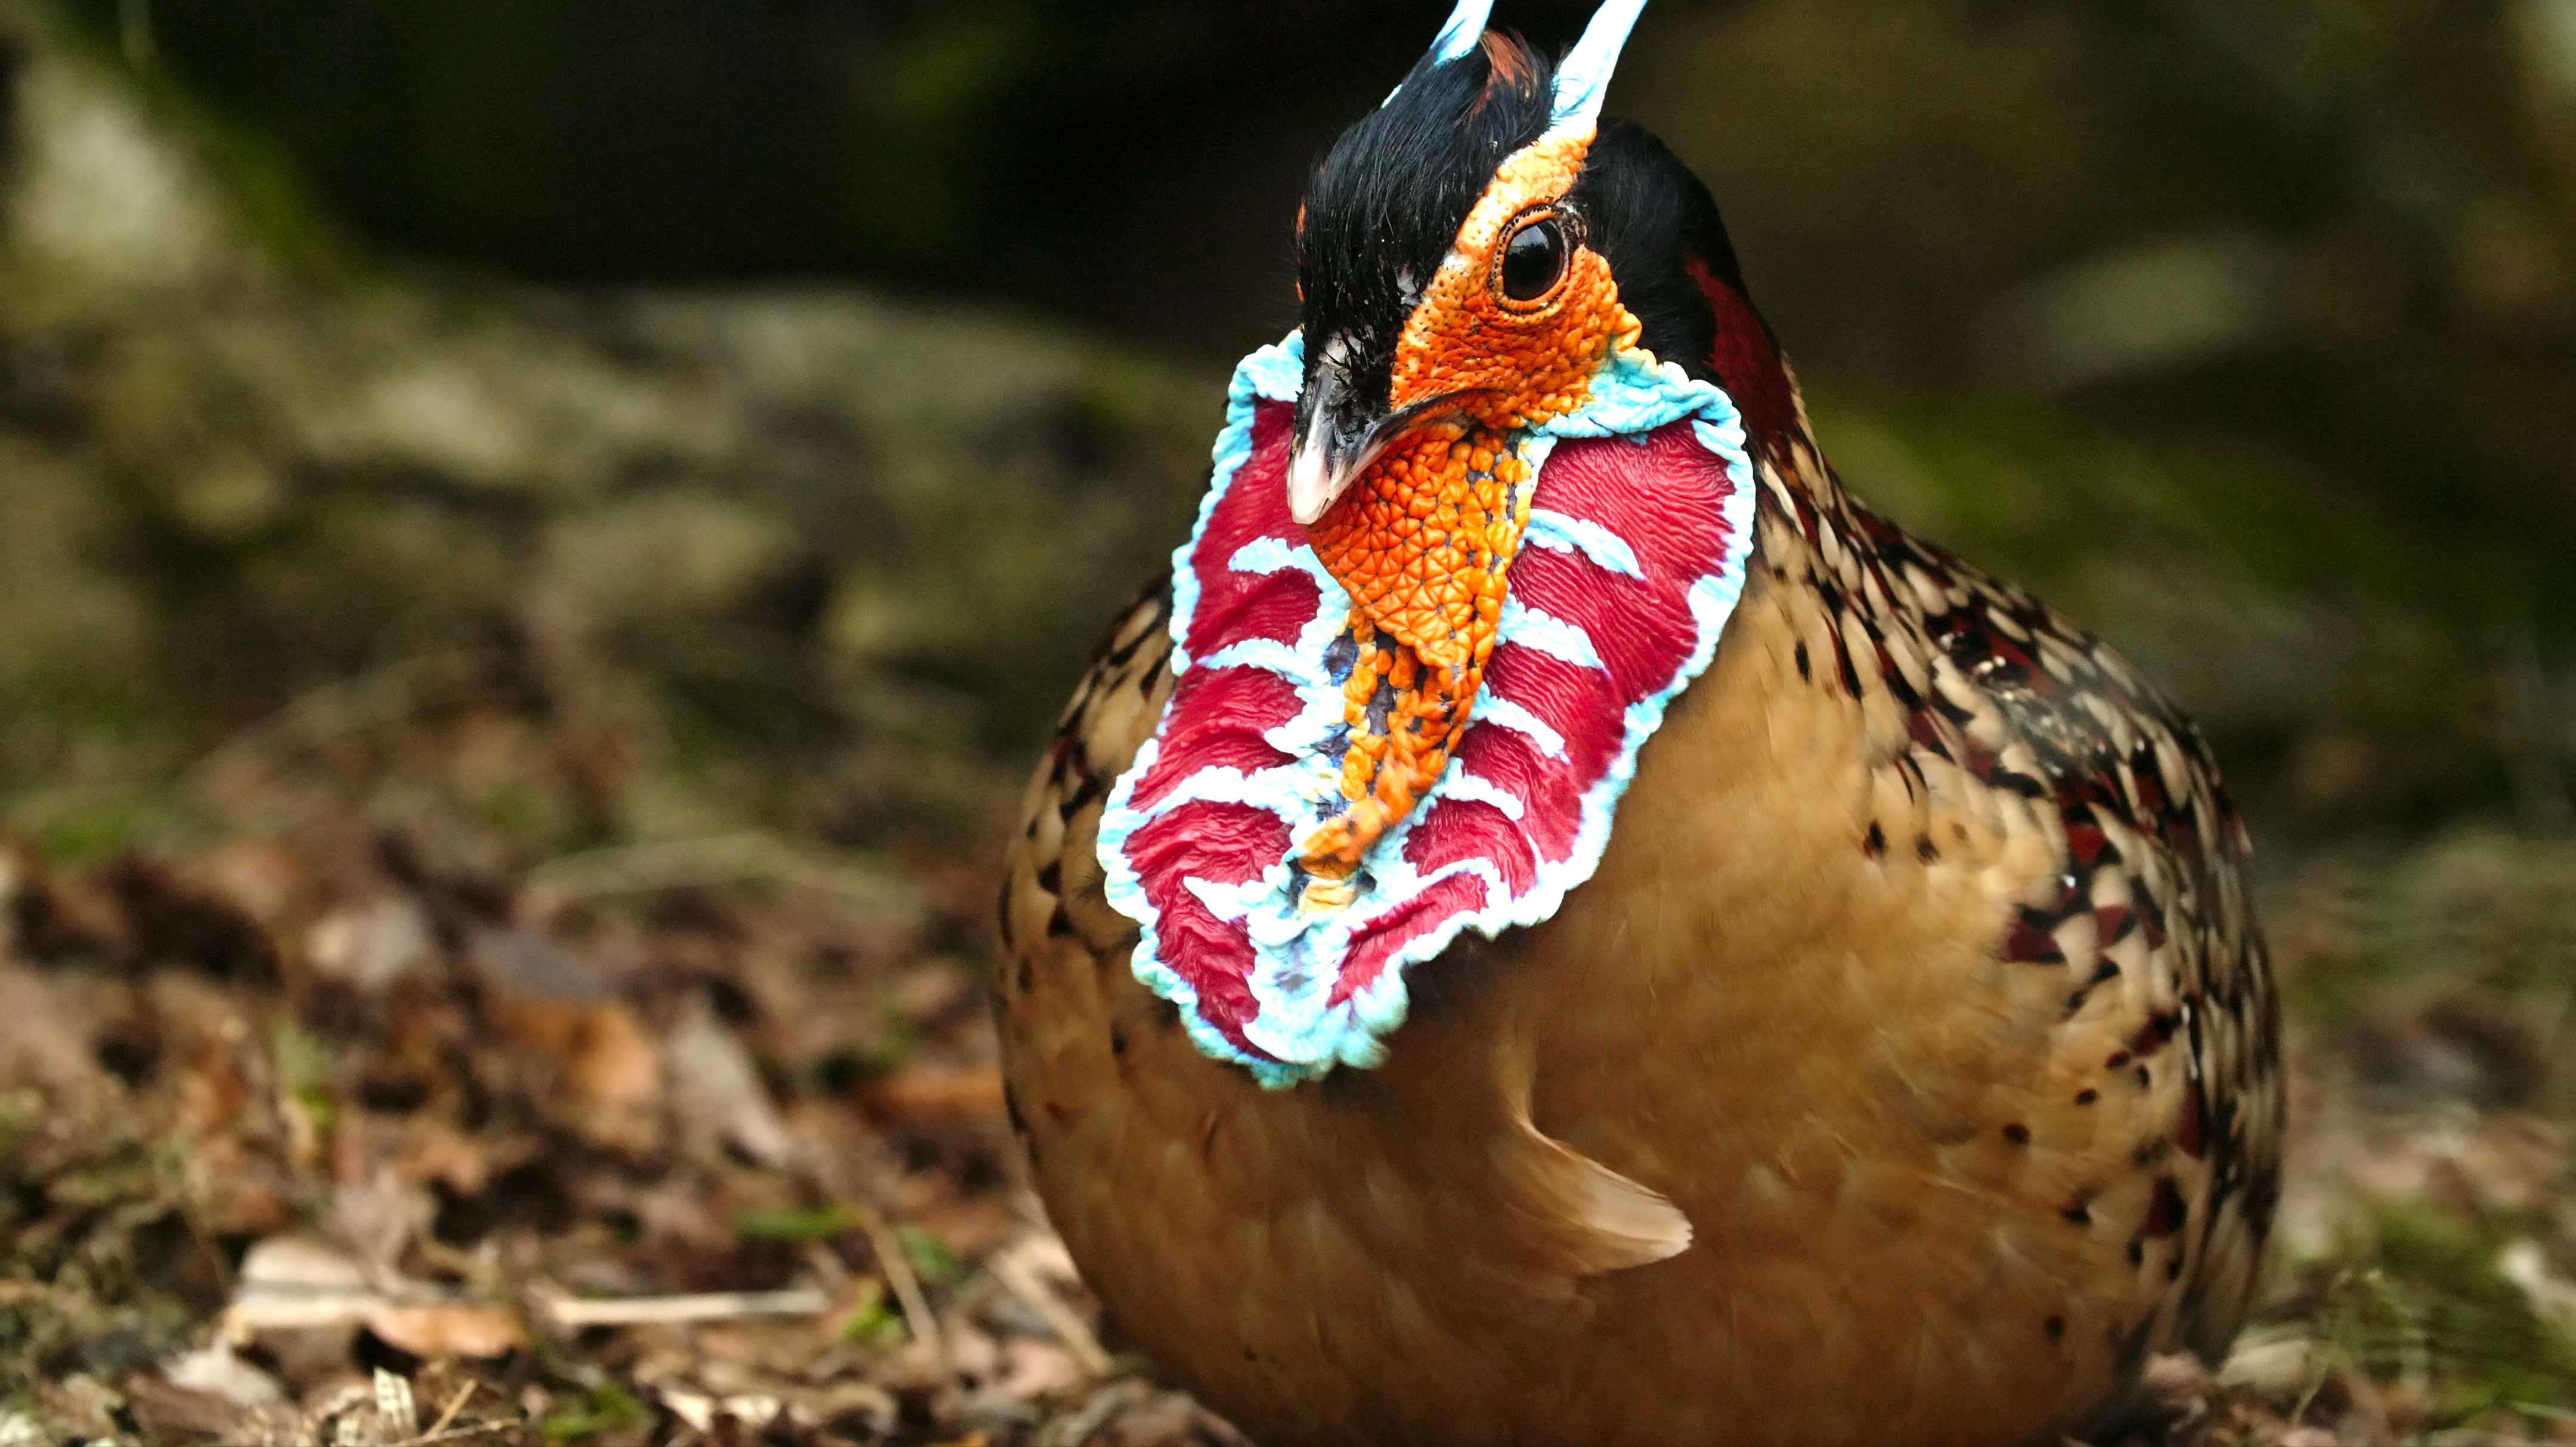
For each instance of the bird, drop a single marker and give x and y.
(1555, 922)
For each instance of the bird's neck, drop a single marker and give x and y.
(1799, 488)
(1850, 586)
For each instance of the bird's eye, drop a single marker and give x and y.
(1533, 260)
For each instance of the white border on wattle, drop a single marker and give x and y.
(1297, 958)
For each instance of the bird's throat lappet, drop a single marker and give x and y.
(1378, 739)
(1423, 542)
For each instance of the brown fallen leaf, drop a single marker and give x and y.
(60, 916)
(933, 1096)
(318, 1294)
(39, 1044)
(1037, 1369)
(262, 879)
(609, 1067)
(435, 1152)
(436, 1330)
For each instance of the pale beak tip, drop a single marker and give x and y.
(1311, 488)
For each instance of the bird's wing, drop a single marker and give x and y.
(2169, 993)
(1055, 912)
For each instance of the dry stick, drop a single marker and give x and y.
(480, 1429)
(454, 1406)
(722, 859)
(900, 1275)
(578, 1312)
(427, 1439)
(827, 1175)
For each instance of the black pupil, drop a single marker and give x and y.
(1532, 260)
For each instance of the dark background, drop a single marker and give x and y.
(2314, 261)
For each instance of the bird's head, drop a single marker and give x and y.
(1472, 528)
(1478, 246)
(1470, 257)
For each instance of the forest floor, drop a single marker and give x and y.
(392, 1136)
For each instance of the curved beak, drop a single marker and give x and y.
(1321, 466)
(1334, 449)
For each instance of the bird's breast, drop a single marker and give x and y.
(1717, 1153)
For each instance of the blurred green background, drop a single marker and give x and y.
(884, 339)
(554, 429)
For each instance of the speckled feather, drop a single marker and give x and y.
(1907, 1073)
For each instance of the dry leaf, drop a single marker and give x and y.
(373, 945)
(297, 1267)
(433, 1151)
(38, 1043)
(448, 1329)
(1032, 1368)
(609, 1067)
(717, 1098)
(217, 1371)
(172, 1413)
(931, 1096)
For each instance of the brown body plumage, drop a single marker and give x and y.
(1907, 1073)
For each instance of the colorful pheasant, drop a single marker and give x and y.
(1558, 924)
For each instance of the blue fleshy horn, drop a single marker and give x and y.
(1465, 28)
(1584, 78)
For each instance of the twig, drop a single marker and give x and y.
(576, 1312)
(720, 859)
(453, 1434)
(455, 1405)
(393, 694)
(900, 1275)
(430, 1438)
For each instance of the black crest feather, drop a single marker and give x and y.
(1650, 218)
(1388, 200)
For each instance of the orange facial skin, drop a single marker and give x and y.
(1425, 536)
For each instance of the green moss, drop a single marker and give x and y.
(608, 1409)
(936, 1261)
(521, 812)
(303, 1071)
(2038, 496)
(2422, 1296)
(873, 1322)
(71, 833)
(78, 697)
(2475, 907)
(813, 1223)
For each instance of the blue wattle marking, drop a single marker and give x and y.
(1273, 555)
(1484, 791)
(1298, 956)
(1510, 714)
(1544, 632)
(1584, 538)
